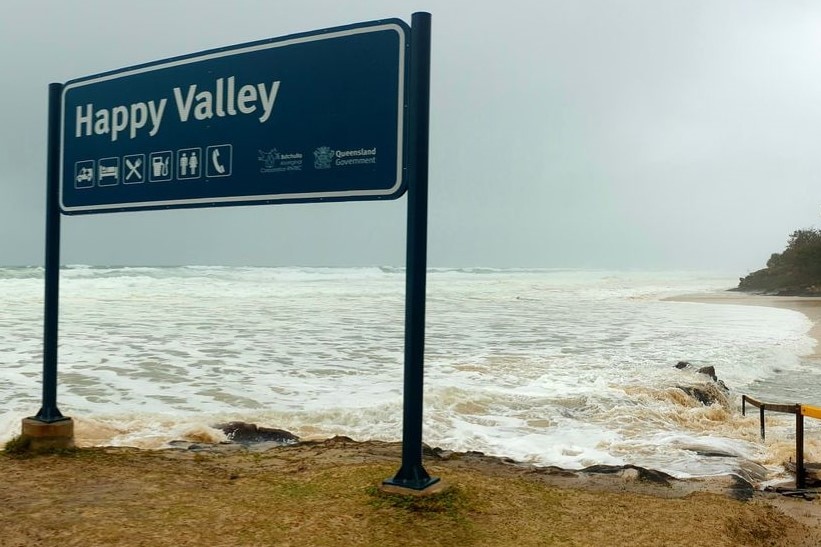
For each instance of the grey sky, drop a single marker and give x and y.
(609, 134)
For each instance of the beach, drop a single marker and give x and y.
(570, 368)
(547, 373)
(809, 306)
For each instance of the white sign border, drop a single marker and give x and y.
(309, 196)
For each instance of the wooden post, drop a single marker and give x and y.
(800, 475)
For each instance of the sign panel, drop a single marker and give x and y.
(310, 117)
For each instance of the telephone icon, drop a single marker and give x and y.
(215, 159)
(219, 160)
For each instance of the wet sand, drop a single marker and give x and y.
(809, 306)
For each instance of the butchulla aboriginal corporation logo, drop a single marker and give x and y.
(269, 158)
(274, 161)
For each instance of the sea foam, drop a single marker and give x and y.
(553, 367)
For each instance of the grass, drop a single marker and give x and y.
(21, 447)
(18, 446)
(128, 497)
(451, 501)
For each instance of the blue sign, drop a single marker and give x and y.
(309, 117)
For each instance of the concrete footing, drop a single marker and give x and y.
(49, 435)
(434, 488)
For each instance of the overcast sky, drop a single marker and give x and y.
(602, 133)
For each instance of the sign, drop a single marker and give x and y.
(310, 117)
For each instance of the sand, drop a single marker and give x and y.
(809, 306)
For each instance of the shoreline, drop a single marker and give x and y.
(809, 306)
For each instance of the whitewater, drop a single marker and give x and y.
(553, 367)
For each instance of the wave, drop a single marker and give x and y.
(259, 273)
(21, 272)
(165, 271)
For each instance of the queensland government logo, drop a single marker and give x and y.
(274, 161)
(323, 157)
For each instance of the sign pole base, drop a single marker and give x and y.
(425, 488)
(49, 435)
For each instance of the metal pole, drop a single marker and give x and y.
(412, 474)
(800, 476)
(49, 412)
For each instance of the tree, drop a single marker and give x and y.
(796, 270)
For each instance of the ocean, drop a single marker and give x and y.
(553, 367)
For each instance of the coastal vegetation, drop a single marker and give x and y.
(796, 271)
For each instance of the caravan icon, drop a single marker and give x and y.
(86, 174)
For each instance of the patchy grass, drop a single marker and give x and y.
(21, 447)
(451, 501)
(310, 496)
(18, 446)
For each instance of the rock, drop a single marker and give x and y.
(702, 396)
(245, 433)
(706, 394)
(741, 489)
(338, 440)
(715, 454)
(632, 472)
(709, 371)
(752, 471)
(212, 448)
(552, 470)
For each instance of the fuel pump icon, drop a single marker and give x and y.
(160, 166)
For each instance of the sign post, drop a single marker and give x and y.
(412, 474)
(49, 412)
(330, 115)
(49, 428)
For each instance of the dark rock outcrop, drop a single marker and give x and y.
(709, 371)
(641, 473)
(741, 489)
(706, 394)
(245, 433)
